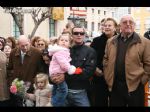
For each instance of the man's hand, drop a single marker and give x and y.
(98, 72)
(58, 78)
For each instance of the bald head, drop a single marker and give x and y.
(23, 38)
(24, 43)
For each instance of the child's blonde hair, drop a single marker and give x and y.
(41, 76)
(66, 34)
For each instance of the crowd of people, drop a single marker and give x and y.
(109, 70)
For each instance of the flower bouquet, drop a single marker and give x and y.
(19, 87)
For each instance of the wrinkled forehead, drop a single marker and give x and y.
(127, 18)
(23, 41)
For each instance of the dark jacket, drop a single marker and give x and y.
(28, 70)
(99, 44)
(84, 57)
(147, 35)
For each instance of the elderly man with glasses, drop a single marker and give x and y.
(127, 65)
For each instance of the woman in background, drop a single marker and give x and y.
(11, 41)
(4, 91)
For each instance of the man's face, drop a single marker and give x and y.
(127, 25)
(24, 46)
(78, 35)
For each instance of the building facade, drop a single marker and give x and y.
(142, 18)
(88, 17)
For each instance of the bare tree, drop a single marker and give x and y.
(17, 16)
(38, 16)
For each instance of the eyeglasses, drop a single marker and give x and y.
(40, 44)
(130, 22)
(77, 33)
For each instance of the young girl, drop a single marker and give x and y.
(42, 94)
(60, 64)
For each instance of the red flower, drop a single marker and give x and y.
(13, 89)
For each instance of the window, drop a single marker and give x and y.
(129, 10)
(85, 24)
(99, 12)
(51, 27)
(16, 31)
(86, 8)
(92, 10)
(104, 12)
(74, 8)
(113, 14)
(99, 25)
(92, 28)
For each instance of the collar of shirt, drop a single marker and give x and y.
(127, 36)
(22, 53)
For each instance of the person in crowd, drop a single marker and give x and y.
(101, 28)
(85, 58)
(60, 63)
(126, 65)
(2, 43)
(4, 91)
(68, 27)
(46, 59)
(100, 89)
(42, 44)
(42, 92)
(147, 34)
(24, 63)
(52, 40)
(11, 41)
(34, 41)
(7, 51)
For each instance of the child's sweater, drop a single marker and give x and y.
(42, 97)
(60, 62)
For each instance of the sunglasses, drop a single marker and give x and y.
(77, 33)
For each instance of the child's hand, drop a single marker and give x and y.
(49, 95)
(26, 96)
